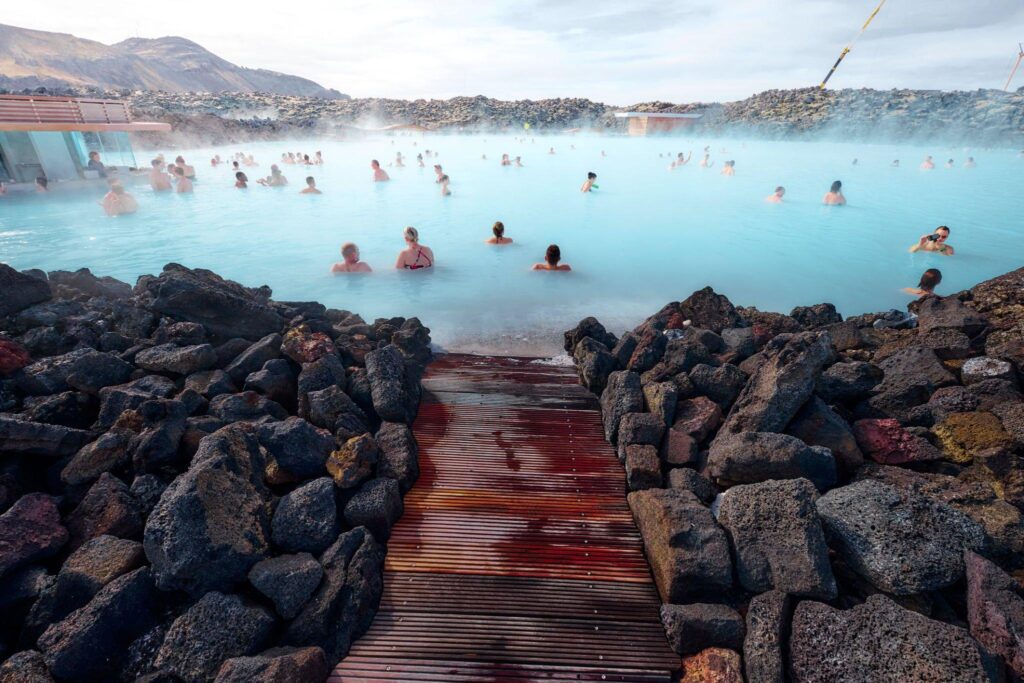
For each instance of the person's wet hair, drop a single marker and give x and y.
(41, 181)
(348, 248)
(591, 176)
(498, 229)
(155, 163)
(179, 160)
(240, 176)
(836, 186)
(553, 255)
(943, 227)
(779, 189)
(411, 234)
(930, 279)
(374, 162)
(178, 170)
(310, 180)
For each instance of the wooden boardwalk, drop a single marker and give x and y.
(516, 558)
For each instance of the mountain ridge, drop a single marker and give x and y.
(30, 58)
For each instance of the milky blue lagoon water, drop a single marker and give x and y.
(647, 236)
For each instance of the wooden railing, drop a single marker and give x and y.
(57, 110)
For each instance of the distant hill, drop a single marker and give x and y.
(30, 59)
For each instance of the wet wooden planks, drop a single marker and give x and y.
(516, 558)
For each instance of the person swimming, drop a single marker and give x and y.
(438, 173)
(854, 161)
(935, 242)
(158, 178)
(398, 161)
(444, 180)
(949, 164)
(895, 163)
(241, 180)
(834, 196)
(551, 260)
(776, 197)
(929, 281)
(350, 261)
(42, 184)
(379, 174)
(729, 168)
(505, 161)
(189, 171)
(118, 202)
(706, 161)
(499, 234)
(927, 164)
(419, 160)
(310, 187)
(589, 183)
(551, 150)
(415, 256)
(970, 163)
(275, 179)
(184, 184)
(319, 158)
(680, 160)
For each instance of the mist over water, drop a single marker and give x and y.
(647, 236)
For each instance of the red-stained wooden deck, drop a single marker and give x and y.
(516, 558)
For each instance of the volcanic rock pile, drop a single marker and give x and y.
(196, 482)
(821, 500)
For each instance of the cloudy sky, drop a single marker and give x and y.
(618, 52)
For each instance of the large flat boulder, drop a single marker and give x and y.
(213, 521)
(277, 665)
(35, 438)
(20, 290)
(900, 541)
(687, 550)
(879, 641)
(225, 308)
(752, 457)
(777, 538)
(781, 385)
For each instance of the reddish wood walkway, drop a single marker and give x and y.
(516, 558)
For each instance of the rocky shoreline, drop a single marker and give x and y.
(980, 117)
(822, 500)
(197, 482)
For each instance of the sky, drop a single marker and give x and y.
(621, 52)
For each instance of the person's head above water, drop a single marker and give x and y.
(241, 176)
(350, 252)
(179, 159)
(412, 236)
(930, 279)
(498, 229)
(941, 233)
(374, 164)
(42, 182)
(837, 186)
(553, 255)
(445, 179)
(780, 190)
(178, 170)
(591, 176)
(156, 163)
(311, 181)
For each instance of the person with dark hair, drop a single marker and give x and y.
(589, 183)
(970, 163)
(184, 182)
(895, 163)
(96, 165)
(929, 281)
(118, 202)
(42, 184)
(776, 197)
(438, 172)
(499, 234)
(379, 174)
(729, 168)
(310, 187)
(834, 196)
(241, 180)
(444, 180)
(189, 171)
(551, 260)
(935, 242)
(927, 164)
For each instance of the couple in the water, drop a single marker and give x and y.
(552, 257)
(415, 256)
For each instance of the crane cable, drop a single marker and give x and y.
(846, 50)
(1020, 46)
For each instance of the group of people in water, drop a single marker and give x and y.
(418, 256)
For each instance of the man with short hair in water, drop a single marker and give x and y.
(158, 178)
(190, 172)
(379, 174)
(551, 260)
(969, 163)
(438, 173)
(776, 197)
(927, 164)
(350, 262)
(834, 196)
(118, 202)
(935, 242)
(444, 180)
(184, 184)
(241, 180)
(310, 187)
(415, 256)
(588, 184)
(680, 160)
